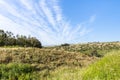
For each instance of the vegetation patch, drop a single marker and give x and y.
(16, 71)
(108, 68)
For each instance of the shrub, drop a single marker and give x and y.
(66, 44)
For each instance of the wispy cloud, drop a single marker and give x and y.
(40, 18)
(92, 18)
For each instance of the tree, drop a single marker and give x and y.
(3, 37)
(66, 44)
(8, 39)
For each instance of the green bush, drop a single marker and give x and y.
(16, 71)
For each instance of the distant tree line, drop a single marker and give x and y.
(65, 44)
(9, 39)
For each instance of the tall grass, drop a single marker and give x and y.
(108, 68)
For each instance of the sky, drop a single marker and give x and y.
(56, 22)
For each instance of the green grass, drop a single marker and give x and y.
(16, 71)
(108, 68)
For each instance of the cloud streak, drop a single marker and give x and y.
(40, 18)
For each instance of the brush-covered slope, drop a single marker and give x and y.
(35, 63)
(87, 48)
(91, 61)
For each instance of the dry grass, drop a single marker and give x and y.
(52, 63)
(46, 57)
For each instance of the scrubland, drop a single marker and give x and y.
(89, 61)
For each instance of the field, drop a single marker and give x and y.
(89, 61)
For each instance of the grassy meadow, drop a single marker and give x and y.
(89, 61)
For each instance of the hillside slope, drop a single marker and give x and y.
(106, 68)
(74, 62)
(39, 61)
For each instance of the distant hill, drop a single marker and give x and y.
(87, 48)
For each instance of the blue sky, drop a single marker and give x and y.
(62, 21)
(105, 27)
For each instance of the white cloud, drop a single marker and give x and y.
(9, 25)
(40, 18)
